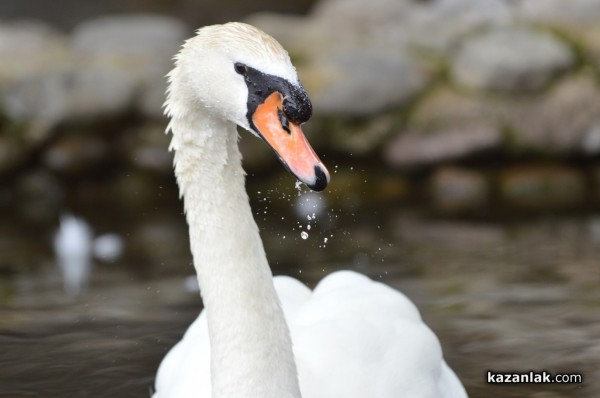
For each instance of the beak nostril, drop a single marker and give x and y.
(284, 121)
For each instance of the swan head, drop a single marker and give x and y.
(238, 73)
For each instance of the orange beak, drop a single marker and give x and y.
(289, 143)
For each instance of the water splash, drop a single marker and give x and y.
(310, 205)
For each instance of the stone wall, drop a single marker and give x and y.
(493, 99)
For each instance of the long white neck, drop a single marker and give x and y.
(251, 350)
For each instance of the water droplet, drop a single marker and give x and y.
(304, 235)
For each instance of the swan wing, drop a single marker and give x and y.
(358, 338)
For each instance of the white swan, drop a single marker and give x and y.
(352, 337)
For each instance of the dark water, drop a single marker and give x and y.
(504, 296)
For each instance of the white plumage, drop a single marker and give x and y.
(352, 337)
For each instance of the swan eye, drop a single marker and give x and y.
(240, 68)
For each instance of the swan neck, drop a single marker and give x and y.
(251, 350)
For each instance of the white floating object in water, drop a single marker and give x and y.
(108, 247)
(304, 235)
(73, 249)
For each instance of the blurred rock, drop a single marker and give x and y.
(137, 47)
(571, 13)
(76, 154)
(39, 197)
(360, 137)
(56, 96)
(114, 64)
(542, 186)
(590, 42)
(431, 25)
(439, 26)
(560, 121)
(77, 95)
(354, 14)
(446, 106)
(94, 93)
(510, 59)
(457, 189)
(419, 148)
(301, 36)
(41, 99)
(362, 82)
(147, 148)
(29, 49)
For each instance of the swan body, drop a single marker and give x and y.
(352, 337)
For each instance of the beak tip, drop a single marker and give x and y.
(321, 180)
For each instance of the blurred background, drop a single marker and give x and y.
(463, 137)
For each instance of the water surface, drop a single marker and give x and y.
(504, 296)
